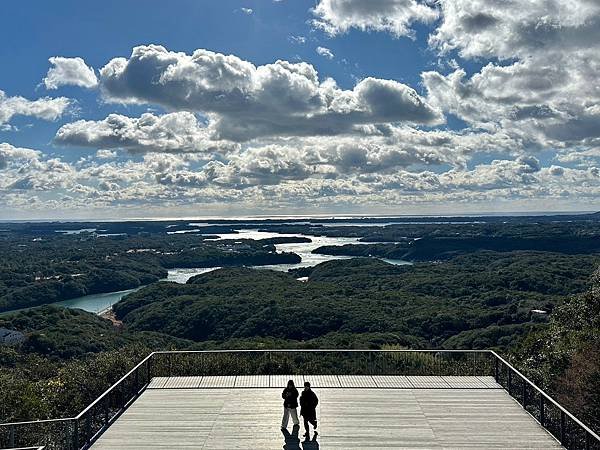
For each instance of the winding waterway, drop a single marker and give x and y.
(97, 303)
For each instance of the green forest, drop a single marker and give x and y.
(536, 301)
(55, 267)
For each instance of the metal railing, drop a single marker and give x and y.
(27, 448)
(79, 432)
(563, 425)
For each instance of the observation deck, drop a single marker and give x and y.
(389, 399)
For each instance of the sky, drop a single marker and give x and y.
(190, 108)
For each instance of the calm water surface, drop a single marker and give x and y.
(97, 303)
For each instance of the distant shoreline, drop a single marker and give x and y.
(298, 217)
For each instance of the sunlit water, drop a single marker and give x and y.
(98, 303)
(302, 249)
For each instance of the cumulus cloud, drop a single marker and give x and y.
(544, 89)
(27, 169)
(10, 155)
(69, 71)
(275, 176)
(511, 28)
(279, 135)
(173, 132)
(325, 52)
(43, 108)
(244, 101)
(392, 16)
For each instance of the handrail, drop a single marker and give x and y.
(323, 350)
(110, 389)
(34, 422)
(27, 448)
(546, 396)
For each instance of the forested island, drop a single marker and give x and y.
(529, 288)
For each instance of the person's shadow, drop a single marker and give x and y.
(310, 444)
(292, 441)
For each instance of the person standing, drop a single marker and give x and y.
(308, 408)
(290, 405)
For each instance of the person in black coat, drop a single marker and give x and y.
(290, 405)
(308, 407)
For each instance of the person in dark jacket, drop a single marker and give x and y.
(308, 407)
(290, 405)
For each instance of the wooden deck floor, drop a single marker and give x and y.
(183, 415)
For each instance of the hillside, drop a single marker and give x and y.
(67, 333)
(467, 302)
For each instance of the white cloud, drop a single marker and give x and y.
(244, 101)
(516, 28)
(297, 39)
(106, 154)
(43, 108)
(173, 132)
(10, 154)
(392, 16)
(280, 136)
(325, 52)
(69, 71)
(247, 11)
(27, 169)
(545, 90)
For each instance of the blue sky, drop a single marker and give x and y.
(34, 31)
(500, 120)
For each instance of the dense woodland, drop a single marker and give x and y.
(54, 267)
(534, 297)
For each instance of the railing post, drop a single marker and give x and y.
(496, 368)
(88, 427)
(169, 365)
(76, 434)
(524, 394)
(11, 436)
(149, 368)
(269, 361)
(563, 430)
(106, 409)
(509, 381)
(542, 411)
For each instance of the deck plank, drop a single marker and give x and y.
(256, 381)
(457, 382)
(323, 381)
(428, 382)
(280, 381)
(357, 381)
(218, 382)
(182, 382)
(392, 381)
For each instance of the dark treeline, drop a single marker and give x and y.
(438, 248)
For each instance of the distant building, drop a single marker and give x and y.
(11, 337)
